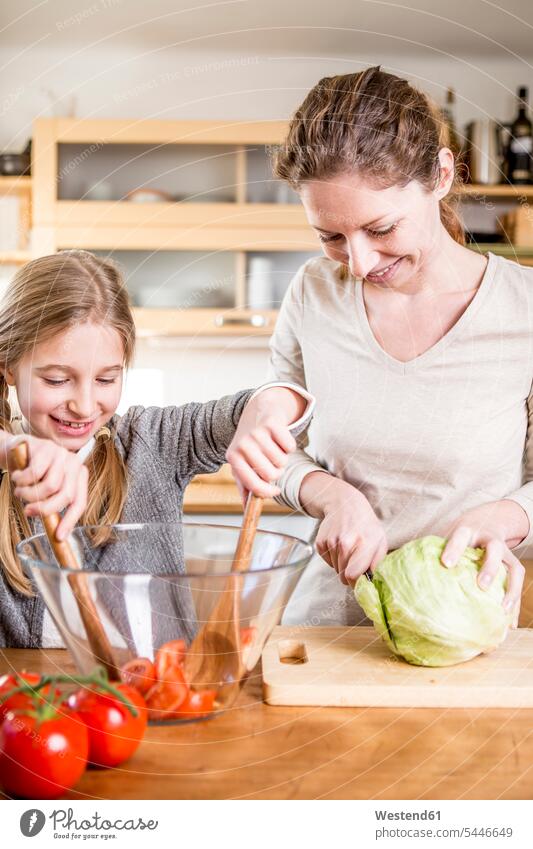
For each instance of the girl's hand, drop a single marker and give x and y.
(350, 538)
(493, 527)
(54, 479)
(263, 442)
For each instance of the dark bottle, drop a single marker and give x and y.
(519, 164)
(448, 113)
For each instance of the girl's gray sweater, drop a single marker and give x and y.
(163, 448)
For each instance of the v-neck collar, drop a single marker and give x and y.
(411, 365)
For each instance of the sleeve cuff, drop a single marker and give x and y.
(301, 423)
(291, 482)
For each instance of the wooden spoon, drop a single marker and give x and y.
(64, 553)
(214, 658)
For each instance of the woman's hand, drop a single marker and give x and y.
(350, 538)
(494, 527)
(54, 479)
(263, 442)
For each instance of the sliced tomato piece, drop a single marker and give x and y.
(170, 656)
(248, 636)
(139, 673)
(197, 704)
(167, 694)
(164, 698)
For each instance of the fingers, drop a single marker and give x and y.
(259, 457)
(255, 457)
(458, 541)
(281, 435)
(496, 553)
(328, 551)
(380, 553)
(41, 489)
(54, 481)
(515, 582)
(359, 563)
(250, 480)
(350, 555)
(492, 561)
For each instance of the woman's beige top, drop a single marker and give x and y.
(427, 439)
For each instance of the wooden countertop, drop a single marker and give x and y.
(218, 493)
(256, 751)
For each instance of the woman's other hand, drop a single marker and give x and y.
(494, 527)
(350, 538)
(53, 480)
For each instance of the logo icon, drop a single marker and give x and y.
(32, 822)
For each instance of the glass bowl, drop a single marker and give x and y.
(150, 584)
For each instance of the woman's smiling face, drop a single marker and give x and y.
(387, 236)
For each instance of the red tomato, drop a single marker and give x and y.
(166, 696)
(169, 656)
(42, 760)
(197, 704)
(20, 701)
(114, 733)
(139, 673)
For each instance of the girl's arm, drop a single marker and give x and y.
(194, 439)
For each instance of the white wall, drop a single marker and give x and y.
(176, 83)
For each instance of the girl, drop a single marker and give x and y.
(66, 334)
(418, 350)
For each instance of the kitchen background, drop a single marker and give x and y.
(208, 241)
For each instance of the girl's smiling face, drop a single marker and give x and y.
(387, 236)
(70, 385)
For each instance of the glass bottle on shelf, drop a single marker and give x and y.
(448, 113)
(519, 149)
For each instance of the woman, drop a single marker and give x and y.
(418, 350)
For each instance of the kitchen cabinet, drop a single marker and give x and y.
(212, 200)
(15, 206)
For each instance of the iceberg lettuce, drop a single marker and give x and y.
(429, 614)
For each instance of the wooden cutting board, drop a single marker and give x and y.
(353, 667)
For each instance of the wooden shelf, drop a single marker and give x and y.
(504, 191)
(120, 225)
(159, 132)
(204, 322)
(14, 257)
(523, 256)
(218, 493)
(15, 184)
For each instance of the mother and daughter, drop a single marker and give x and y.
(417, 350)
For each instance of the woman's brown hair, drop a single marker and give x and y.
(371, 122)
(46, 297)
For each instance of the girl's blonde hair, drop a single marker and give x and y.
(46, 297)
(371, 122)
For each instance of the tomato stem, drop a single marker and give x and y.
(97, 679)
